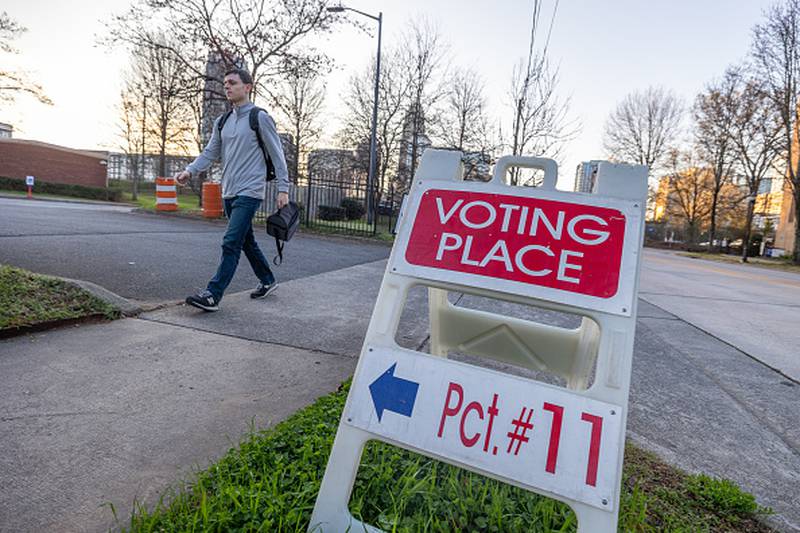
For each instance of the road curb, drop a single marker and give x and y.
(127, 307)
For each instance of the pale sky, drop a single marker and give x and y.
(604, 48)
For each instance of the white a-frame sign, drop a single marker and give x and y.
(564, 251)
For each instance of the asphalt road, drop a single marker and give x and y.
(150, 258)
(753, 309)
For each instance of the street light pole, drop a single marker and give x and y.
(373, 148)
(141, 165)
(373, 154)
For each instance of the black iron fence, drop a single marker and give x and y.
(333, 205)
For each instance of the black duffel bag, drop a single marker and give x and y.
(282, 225)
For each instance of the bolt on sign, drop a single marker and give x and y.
(572, 252)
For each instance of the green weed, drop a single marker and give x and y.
(270, 482)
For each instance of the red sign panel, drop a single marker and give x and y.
(565, 246)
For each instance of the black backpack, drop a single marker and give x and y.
(253, 126)
(282, 225)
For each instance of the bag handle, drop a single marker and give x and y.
(278, 259)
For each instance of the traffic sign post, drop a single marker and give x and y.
(29, 182)
(570, 252)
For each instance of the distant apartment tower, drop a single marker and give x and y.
(585, 176)
(214, 101)
(413, 137)
(6, 131)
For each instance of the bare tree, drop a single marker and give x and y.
(300, 97)
(462, 123)
(463, 112)
(264, 34)
(155, 109)
(713, 112)
(689, 188)
(755, 134)
(776, 52)
(168, 90)
(130, 134)
(643, 126)
(422, 52)
(539, 124)
(14, 83)
(393, 93)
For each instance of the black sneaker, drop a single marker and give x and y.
(262, 290)
(204, 300)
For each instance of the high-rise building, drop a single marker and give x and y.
(413, 134)
(214, 101)
(585, 176)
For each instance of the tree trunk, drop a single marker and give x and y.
(712, 230)
(747, 230)
(296, 163)
(692, 232)
(162, 160)
(135, 195)
(414, 140)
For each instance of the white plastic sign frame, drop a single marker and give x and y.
(433, 405)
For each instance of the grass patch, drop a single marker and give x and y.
(383, 231)
(147, 200)
(270, 482)
(323, 229)
(764, 262)
(27, 299)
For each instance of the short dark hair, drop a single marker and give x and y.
(242, 73)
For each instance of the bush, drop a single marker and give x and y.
(354, 208)
(63, 189)
(331, 212)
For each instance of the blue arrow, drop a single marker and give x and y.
(393, 394)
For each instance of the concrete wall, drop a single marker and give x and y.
(51, 163)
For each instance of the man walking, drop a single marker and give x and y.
(244, 171)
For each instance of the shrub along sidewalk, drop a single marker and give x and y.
(62, 189)
(31, 301)
(270, 482)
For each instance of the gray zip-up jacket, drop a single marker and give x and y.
(243, 166)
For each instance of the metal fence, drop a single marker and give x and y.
(335, 206)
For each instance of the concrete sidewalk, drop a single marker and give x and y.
(113, 412)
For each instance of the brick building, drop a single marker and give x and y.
(52, 163)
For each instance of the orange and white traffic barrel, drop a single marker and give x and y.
(166, 195)
(212, 200)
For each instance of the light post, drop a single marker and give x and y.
(373, 156)
(141, 166)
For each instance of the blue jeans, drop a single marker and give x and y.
(239, 236)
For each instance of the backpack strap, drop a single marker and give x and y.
(254, 126)
(222, 120)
